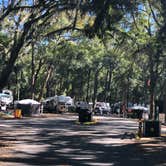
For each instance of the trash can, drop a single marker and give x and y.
(85, 115)
(18, 113)
(151, 128)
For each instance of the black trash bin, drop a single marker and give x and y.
(85, 115)
(151, 128)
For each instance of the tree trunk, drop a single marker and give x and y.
(50, 69)
(164, 105)
(95, 88)
(17, 85)
(96, 85)
(34, 78)
(162, 39)
(5, 74)
(32, 72)
(106, 86)
(163, 95)
(151, 106)
(152, 82)
(88, 85)
(109, 84)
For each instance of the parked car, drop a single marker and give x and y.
(116, 108)
(102, 108)
(83, 105)
(49, 104)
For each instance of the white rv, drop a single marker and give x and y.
(58, 104)
(61, 104)
(6, 99)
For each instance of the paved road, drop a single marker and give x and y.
(59, 141)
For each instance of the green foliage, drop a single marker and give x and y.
(111, 43)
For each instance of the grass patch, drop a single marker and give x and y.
(6, 116)
(94, 121)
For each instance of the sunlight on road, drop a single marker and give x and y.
(57, 140)
(112, 142)
(99, 164)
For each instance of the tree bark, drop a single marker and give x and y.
(163, 96)
(106, 86)
(95, 88)
(109, 84)
(5, 74)
(95, 85)
(48, 75)
(88, 85)
(164, 105)
(18, 44)
(32, 72)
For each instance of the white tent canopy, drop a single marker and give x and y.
(139, 108)
(28, 101)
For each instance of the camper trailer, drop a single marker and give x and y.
(58, 104)
(49, 104)
(61, 104)
(6, 99)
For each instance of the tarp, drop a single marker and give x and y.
(139, 108)
(28, 101)
(29, 107)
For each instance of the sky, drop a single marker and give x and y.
(7, 1)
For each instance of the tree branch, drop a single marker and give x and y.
(153, 14)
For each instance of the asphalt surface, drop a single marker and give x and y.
(60, 141)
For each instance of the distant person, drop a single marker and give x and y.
(41, 108)
(124, 110)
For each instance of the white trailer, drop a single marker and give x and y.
(6, 99)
